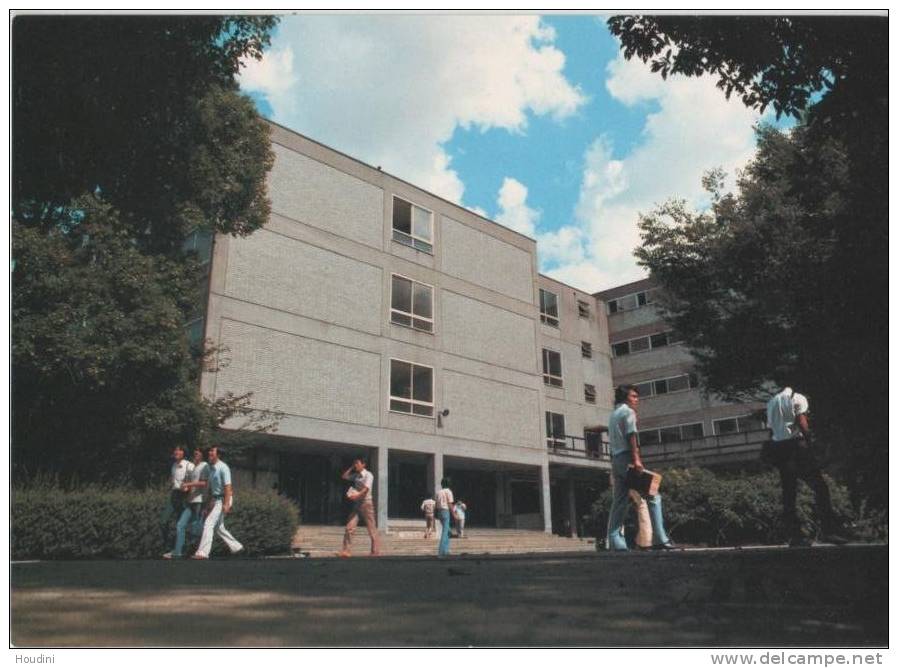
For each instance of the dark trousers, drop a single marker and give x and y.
(795, 458)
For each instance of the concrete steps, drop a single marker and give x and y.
(406, 538)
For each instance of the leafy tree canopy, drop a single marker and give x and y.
(145, 111)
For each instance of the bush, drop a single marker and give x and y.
(49, 522)
(703, 508)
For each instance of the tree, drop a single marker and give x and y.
(129, 133)
(787, 281)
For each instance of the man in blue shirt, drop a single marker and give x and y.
(218, 504)
(624, 444)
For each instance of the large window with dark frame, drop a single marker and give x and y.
(589, 393)
(411, 388)
(629, 302)
(555, 437)
(654, 388)
(552, 368)
(412, 225)
(643, 343)
(582, 308)
(411, 304)
(679, 432)
(738, 424)
(548, 307)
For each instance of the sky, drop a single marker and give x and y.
(536, 122)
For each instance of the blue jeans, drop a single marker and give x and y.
(191, 515)
(620, 504)
(443, 516)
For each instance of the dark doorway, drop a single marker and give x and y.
(407, 487)
(478, 490)
(313, 481)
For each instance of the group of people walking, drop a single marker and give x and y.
(200, 496)
(201, 493)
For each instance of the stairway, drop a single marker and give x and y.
(406, 538)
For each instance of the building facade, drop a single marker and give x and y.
(380, 320)
(678, 424)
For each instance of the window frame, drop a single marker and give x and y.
(583, 309)
(546, 317)
(646, 301)
(549, 377)
(412, 237)
(411, 400)
(586, 350)
(552, 440)
(738, 419)
(691, 382)
(412, 316)
(671, 341)
(587, 392)
(678, 427)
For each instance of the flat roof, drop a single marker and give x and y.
(393, 176)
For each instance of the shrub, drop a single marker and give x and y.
(704, 508)
(49, 522)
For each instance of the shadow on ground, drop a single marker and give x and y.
(771, 597)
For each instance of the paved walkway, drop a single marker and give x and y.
(760, 597)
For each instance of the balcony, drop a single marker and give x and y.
(593, 447)
(723, 449)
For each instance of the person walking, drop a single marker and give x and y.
(791, 450)
(445, 503)
(624, 444)
(428, 507)
(192, 515)
(460, 514)
(361, 493)
(180, 468)
(219, 503)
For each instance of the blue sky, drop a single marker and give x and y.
(535, 122)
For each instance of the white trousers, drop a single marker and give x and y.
(215, 524)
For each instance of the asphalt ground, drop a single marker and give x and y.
(762, 597)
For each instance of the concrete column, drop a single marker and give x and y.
(383, 485)
(571, 505)
(546, 497)
(434, 472)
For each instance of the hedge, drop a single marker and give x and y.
(702, 508)
(49, 522)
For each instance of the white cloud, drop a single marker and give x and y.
(693, 129)
(514, 212)
(391, 90)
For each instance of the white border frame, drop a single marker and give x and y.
(410, 400)
(411, 234)
(412, 316)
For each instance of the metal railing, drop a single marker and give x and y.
(580, 448)
(719, 448)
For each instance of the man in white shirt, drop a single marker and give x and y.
(428, 506)
(180, 468)
(218, 504)
(361, 493)
(791, 451)
(192, 515)
(445, 504)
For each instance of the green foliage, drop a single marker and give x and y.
(107, 522)
(702, 508)
(129, 133)
(786, 282)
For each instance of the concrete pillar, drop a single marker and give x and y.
(571, 505)
(434, 472)
(383, 485)
(546, 497)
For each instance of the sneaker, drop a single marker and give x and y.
(170, 555)
(343, 554)
(666, 547)
(199, 556)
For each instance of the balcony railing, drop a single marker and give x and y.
(580, 448)
(725, 448)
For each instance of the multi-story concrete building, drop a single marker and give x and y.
(380, 319)
(677, 422)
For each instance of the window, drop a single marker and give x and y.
(412, 304)
(411, 388)
(412, 225)
(737, 424)
(589, 393)
(583, 308)
(653, 388)
(548, 307)
(555, 437)
(672, 434)
(630, 302)
(552, 368)
(643, 343)
(586, 349)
